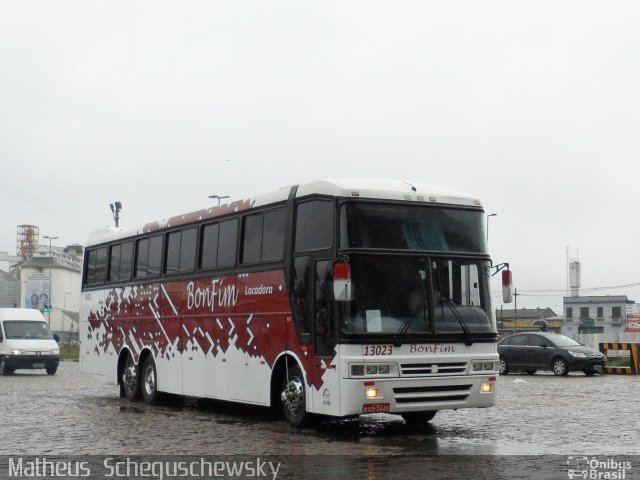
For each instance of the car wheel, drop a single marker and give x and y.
(293, 397)
(413, 418)
(503, 367)
(530, 372)
(559, 366)
(589, 373)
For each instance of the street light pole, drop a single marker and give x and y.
(219, 197)
(50, 278)
(64, 312)
(490, 215)
(115, 210)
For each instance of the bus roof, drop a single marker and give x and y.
(371, 188)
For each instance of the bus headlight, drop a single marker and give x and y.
(373, 393)
(486, 387)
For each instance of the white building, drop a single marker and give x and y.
(52, 278)
(605, 314)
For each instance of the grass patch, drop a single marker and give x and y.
(69, 352)
(618, 362)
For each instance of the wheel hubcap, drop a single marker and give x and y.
(558, 367)
(293, 395)
(149, 381)
(129, 377)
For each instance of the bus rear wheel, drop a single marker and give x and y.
(130, 381)
(150, 381)
(293, 397)
(413, 418)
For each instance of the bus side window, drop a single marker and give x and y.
(300, 293)
(314, 226)
(120, 262)
(218, 247)
(96, 266)
(149, 257)
(325, 337)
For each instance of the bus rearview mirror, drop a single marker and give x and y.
(342, 282)
(507, 293)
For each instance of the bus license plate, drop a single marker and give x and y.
(376, 350)
(376, 408)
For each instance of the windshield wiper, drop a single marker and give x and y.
(465, 329)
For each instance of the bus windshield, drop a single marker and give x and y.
(412, 227)
(417, 296)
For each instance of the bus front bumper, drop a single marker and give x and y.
(403, 395)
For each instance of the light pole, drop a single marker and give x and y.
(115, 210)
(64, 312)
(490, 215)
(219, 197)
(50, 278)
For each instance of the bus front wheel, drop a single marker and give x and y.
(293, 397)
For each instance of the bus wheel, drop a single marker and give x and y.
(293, 397)
(412, 418)
(51, 370)
(150, 381)
(129, 380)
(4, 370)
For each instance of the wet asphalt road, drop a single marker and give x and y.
(74, 414)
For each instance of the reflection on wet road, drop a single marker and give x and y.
(71, 413)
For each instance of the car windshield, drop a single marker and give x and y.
(26, 330)
(562, 341)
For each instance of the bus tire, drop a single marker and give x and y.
(149, 381)
(130, 380)
(413, 418)
(52, 370)
(293, 397)
(4, 370)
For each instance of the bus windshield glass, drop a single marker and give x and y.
(417, 296)
(412, 227)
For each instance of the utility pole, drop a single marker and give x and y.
(48, 307)
(515, 309)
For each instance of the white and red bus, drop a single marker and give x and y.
(337, 297)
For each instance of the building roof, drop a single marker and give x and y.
(525, 314)
(598, 299)
(46, 262)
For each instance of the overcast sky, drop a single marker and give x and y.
(532, 106)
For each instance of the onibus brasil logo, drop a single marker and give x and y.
(594, 468)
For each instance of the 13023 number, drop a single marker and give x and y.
(376, 350)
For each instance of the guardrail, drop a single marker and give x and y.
(634, 363)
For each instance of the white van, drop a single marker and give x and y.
(26, 341)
